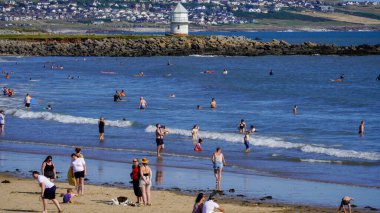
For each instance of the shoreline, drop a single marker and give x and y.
(283, 191)
(107, 191)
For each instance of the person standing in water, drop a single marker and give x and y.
(2, 121)
(198, 146)
(271, 72)
(213, 103)
(27, 100)
(361, 128)
(160, 133)
(246, 141)
(242, 126)
(218, 163)
(101, 125)
(194, 133)
(116, 96)
(143, 104)
(378, 78)
(295, 109)
(47, 191)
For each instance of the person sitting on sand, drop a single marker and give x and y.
(47, 191)
(213, 103)
(198, 146)
(67, 197)
(345, 202)
(210, 205)
(198, 205)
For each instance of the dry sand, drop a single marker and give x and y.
(22, 195)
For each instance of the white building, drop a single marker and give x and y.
(179, 24)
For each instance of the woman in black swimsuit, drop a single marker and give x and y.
(48, 169)
(101, 125)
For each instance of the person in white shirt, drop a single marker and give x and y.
(210, 205)
(47, 191)
(2, 121)
(79, 172)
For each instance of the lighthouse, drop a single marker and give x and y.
(179, 24)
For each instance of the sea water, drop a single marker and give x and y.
(318, 144)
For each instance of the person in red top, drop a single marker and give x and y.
(198, 147)
(135, 176)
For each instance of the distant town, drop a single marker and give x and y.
(201, 12)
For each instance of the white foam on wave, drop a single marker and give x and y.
(204, 56)
(320, 161)
(66, 119)
(275, 142)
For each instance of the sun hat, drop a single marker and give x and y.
(145, 160)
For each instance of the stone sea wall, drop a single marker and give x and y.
(176, 46)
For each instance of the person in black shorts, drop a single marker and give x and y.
(101, 125)
(345, 202)
(47, 190)
(160, 133)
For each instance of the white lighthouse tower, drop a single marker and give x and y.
(179, 24)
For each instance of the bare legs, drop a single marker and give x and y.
(218, 178)
(56, 203)
(146, 194)
(80, 185)
(159, 149)
(101, 137)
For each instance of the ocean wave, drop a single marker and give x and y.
(320, 161)
(204, 56)
(61, 118)
(276, 142)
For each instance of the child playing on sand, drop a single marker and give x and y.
(198, 146)
(67, 197)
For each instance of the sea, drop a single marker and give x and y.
(314, 157)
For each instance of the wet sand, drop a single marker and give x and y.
(22, 195)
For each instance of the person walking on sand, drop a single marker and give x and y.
(78, 166)
(242, 126)
(2, 121)
(48, 169)
(160, 133)
(198, 205)
(101, 125)
(143, 104)
(246, 141)
(210, 205)
(218, 163)
(361, 128)
(213, 103)
(345, 202)
(135, 176)
(47, 191)
(27, 100)
(194, 133)
(145, 181)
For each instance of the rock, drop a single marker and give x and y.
(240, 195)
(5, 181)
(231, 190)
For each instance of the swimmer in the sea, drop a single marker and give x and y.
(116, 96)
(199, 107)
(122, 93)
(172, 95)
(246, 141)
(49, 108)
(295, 109)
(7, 76)
(213, 103)
(225, 72)
(252, 129)
(378, 78)
(27, 100)
(194, 133)
(361, 128)
(340, 79)
(10, 92)
(143, 104)
(242, 126)
(271, 72)
(5, 91)
(140, 74)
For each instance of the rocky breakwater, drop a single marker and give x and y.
(175, 46)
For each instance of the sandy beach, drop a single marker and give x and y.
(22, 195)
